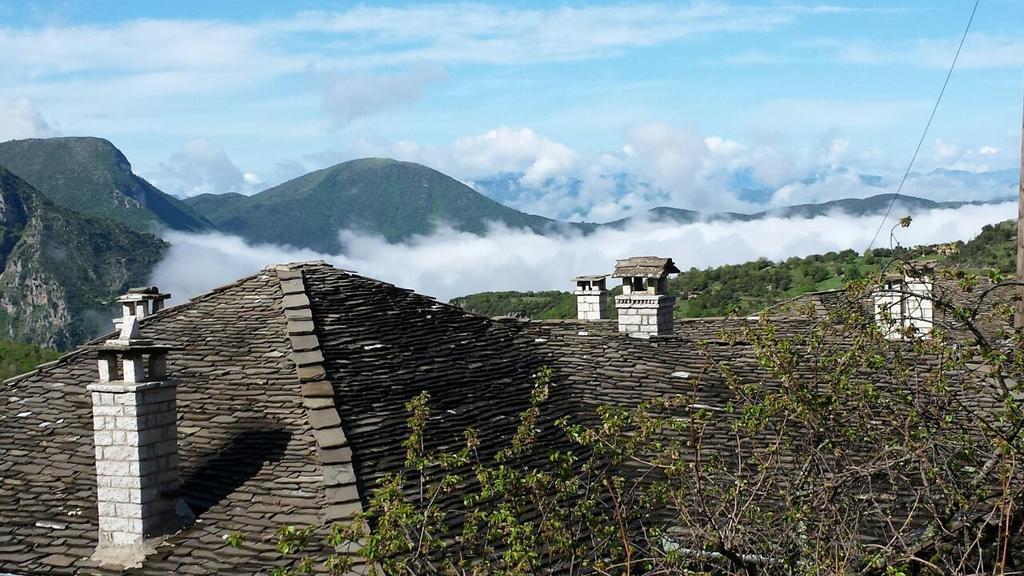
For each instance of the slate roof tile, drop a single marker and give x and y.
(291, 405)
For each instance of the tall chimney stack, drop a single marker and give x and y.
(135, 436)
(645, 307)
(591, 297)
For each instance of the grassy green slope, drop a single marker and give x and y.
(536, 305)
(92, 177)
(385, 197)
(749, 287)
(18, 357)
(60, 271)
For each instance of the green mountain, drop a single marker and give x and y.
(18, 357)
(60, 271)
(380, 196)
(92, 177)
(858, 207)
(547, 305)
(851, 206)
(749, 287)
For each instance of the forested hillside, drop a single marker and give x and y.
(749, 287)
(547, 305)
(60, 270)
(18, 357)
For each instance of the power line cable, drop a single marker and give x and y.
(926, 127)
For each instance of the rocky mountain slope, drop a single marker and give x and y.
(92, 177)
(60, 270)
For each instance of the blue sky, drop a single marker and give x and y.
(238, 96)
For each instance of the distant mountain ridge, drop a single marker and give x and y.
(398, 200)
(870, 206)
(511, 189)
(92, 177)
(60, 271)
(73, 223)
(385, 197)
(382, 197)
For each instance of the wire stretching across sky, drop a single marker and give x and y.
(926, 126)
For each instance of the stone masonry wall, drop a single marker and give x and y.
(642, 315)
(136, 459)
(591, 305)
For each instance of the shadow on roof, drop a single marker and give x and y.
(227, 469)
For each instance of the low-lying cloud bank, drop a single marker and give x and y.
(450, 263)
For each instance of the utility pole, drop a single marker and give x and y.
(1019, 316)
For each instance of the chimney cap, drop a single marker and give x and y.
(140, 293)
(644, 267)
(591, 277)
(917, 268)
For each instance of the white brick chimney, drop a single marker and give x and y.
(135, 436)
(591, 297)
(903, 306)
(645, 307)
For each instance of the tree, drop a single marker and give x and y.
(849, 452)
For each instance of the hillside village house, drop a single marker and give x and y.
(279, 399)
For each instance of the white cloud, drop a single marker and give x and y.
(988, 151)
(665, 165)
(671, 158)
(499, 150)
(980, 50)
(505, 149)
(946, 153)
(157, 58)
(141, 46)
(19, 119)
(498, 35)
(448, 263)
(348, 96)
(201, 167)
(812, 116)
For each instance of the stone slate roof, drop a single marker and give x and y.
(840, 303)
(246, 448)
(604, 370)
(644, 267)
(291, 392)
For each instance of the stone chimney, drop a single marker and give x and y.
(135, 436)
(645, 308)
(591, 297)
(140, 302)
(903, 306)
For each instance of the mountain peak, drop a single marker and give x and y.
(381, 196)
(91, 176)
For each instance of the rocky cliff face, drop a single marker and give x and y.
(60, 271)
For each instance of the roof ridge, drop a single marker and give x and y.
(383, 283)
(341, 489)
